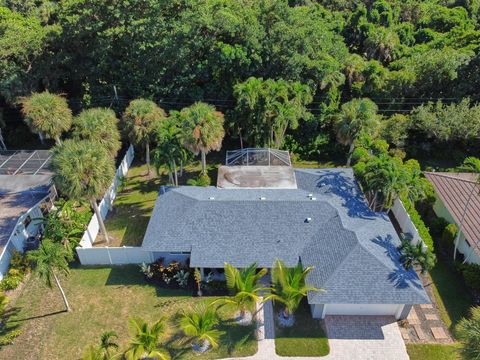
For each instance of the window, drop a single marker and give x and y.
(179, 253)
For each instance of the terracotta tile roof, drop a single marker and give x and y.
(457, 192)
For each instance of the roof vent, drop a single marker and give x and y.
(211, 198)
(313, 198)
(308, 220)
(310, 195)
(263, 198)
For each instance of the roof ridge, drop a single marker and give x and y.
(449, 175)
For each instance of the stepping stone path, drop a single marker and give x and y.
(431, 316)
(439, 333)
(418, 330)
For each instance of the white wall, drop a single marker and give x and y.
(405, 222)
(113, 255)
(106, 204)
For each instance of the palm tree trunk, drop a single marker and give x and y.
(93, 202)
(350, 152)
(286, 313)
(57, 140)
(240, 137)
(460, 226)
(175, 173)
(170, 177)
(181, 168)
(147, 156)
(65, 301)
(204, 163)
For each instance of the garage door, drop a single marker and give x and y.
(362, 309)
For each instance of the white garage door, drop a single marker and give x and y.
(362, 309)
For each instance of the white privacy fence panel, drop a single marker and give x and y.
(113, 255)
(107, 201)
(405, 222)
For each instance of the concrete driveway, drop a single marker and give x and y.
(349, 338)
(364, 338)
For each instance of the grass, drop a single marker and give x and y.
(433, 352)
(102, 300)
(452, 297)
(128, 220)
(305, 338)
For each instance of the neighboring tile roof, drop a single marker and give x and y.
(353, 250)
(459, 192)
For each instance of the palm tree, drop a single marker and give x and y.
(202, 129)
(468, 331)
(200, 323)
(244, 286)
(290, 286)
(384, 179)
(140, 120)
(50, 258)
(47, 114)
(83, 170)
(355, 117)
(99, 125)
(145, 339)
(169, 150)
(104, 350)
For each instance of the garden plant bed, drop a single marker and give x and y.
(305, 338)
(103, 299)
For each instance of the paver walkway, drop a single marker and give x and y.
(349, 338)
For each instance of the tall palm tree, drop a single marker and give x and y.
(355, 117)
(83, 170)
(47, 114)
(244, 286)
(200, 323)
(140, 120)
(51, 259)
(468, 331)
(145, 339)
(290, 286)
(169, 150)
(202, 129)
(103, 351)
(99, 125)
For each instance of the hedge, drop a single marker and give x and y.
(422, 229)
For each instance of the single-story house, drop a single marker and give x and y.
(457, 199)
(26, 194)
(323, 221)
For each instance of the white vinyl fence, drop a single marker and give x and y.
(405, 222)
(106, 204)
(113, 255)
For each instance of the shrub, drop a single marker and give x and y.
(449, 233)
(203, 180)
(11, 281)
(437, 226)
(471, 275)
(468, 330)
(414, 254)
(19, 262)
(422, 229)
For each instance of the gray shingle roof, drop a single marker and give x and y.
(352, 249)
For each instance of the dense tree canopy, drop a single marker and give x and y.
(400, 54)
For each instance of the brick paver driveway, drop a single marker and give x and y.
(364, 337)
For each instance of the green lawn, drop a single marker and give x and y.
(432, 352)
(128, 220)
(452, 297)
(103, 299)
(305, 338)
